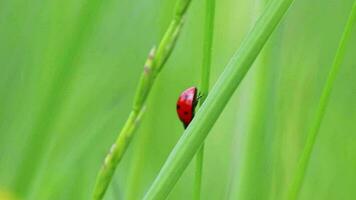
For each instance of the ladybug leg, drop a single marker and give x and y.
(197, 99)
(199, 96)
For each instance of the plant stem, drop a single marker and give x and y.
(193, 137)
(199, 158)
(204, 86)
(152, 67)
(323, 102)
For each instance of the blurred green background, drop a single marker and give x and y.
(68, 73)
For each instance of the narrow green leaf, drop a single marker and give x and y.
(204, 86)
(323, 102)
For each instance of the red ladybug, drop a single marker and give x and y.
(186, 104)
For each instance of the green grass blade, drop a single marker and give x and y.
(313, 132)
(222, 91)
(204, 86)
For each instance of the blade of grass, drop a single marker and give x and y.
(323, 102)
(193, 137)
(204, 85)
(152, 67)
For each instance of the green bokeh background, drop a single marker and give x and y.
(68, 73)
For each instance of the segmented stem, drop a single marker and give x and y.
(152, 67)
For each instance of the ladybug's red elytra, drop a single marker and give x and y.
(186, 104)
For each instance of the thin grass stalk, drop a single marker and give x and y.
(193, 137)
(298, 179)
(199, 158)
(152, 67)
(204, 86)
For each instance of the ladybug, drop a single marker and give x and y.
(186, 104)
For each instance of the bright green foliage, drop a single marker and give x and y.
(237, 68)
(68, 74)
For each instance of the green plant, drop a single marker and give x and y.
(69, 71)
(193, 137)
